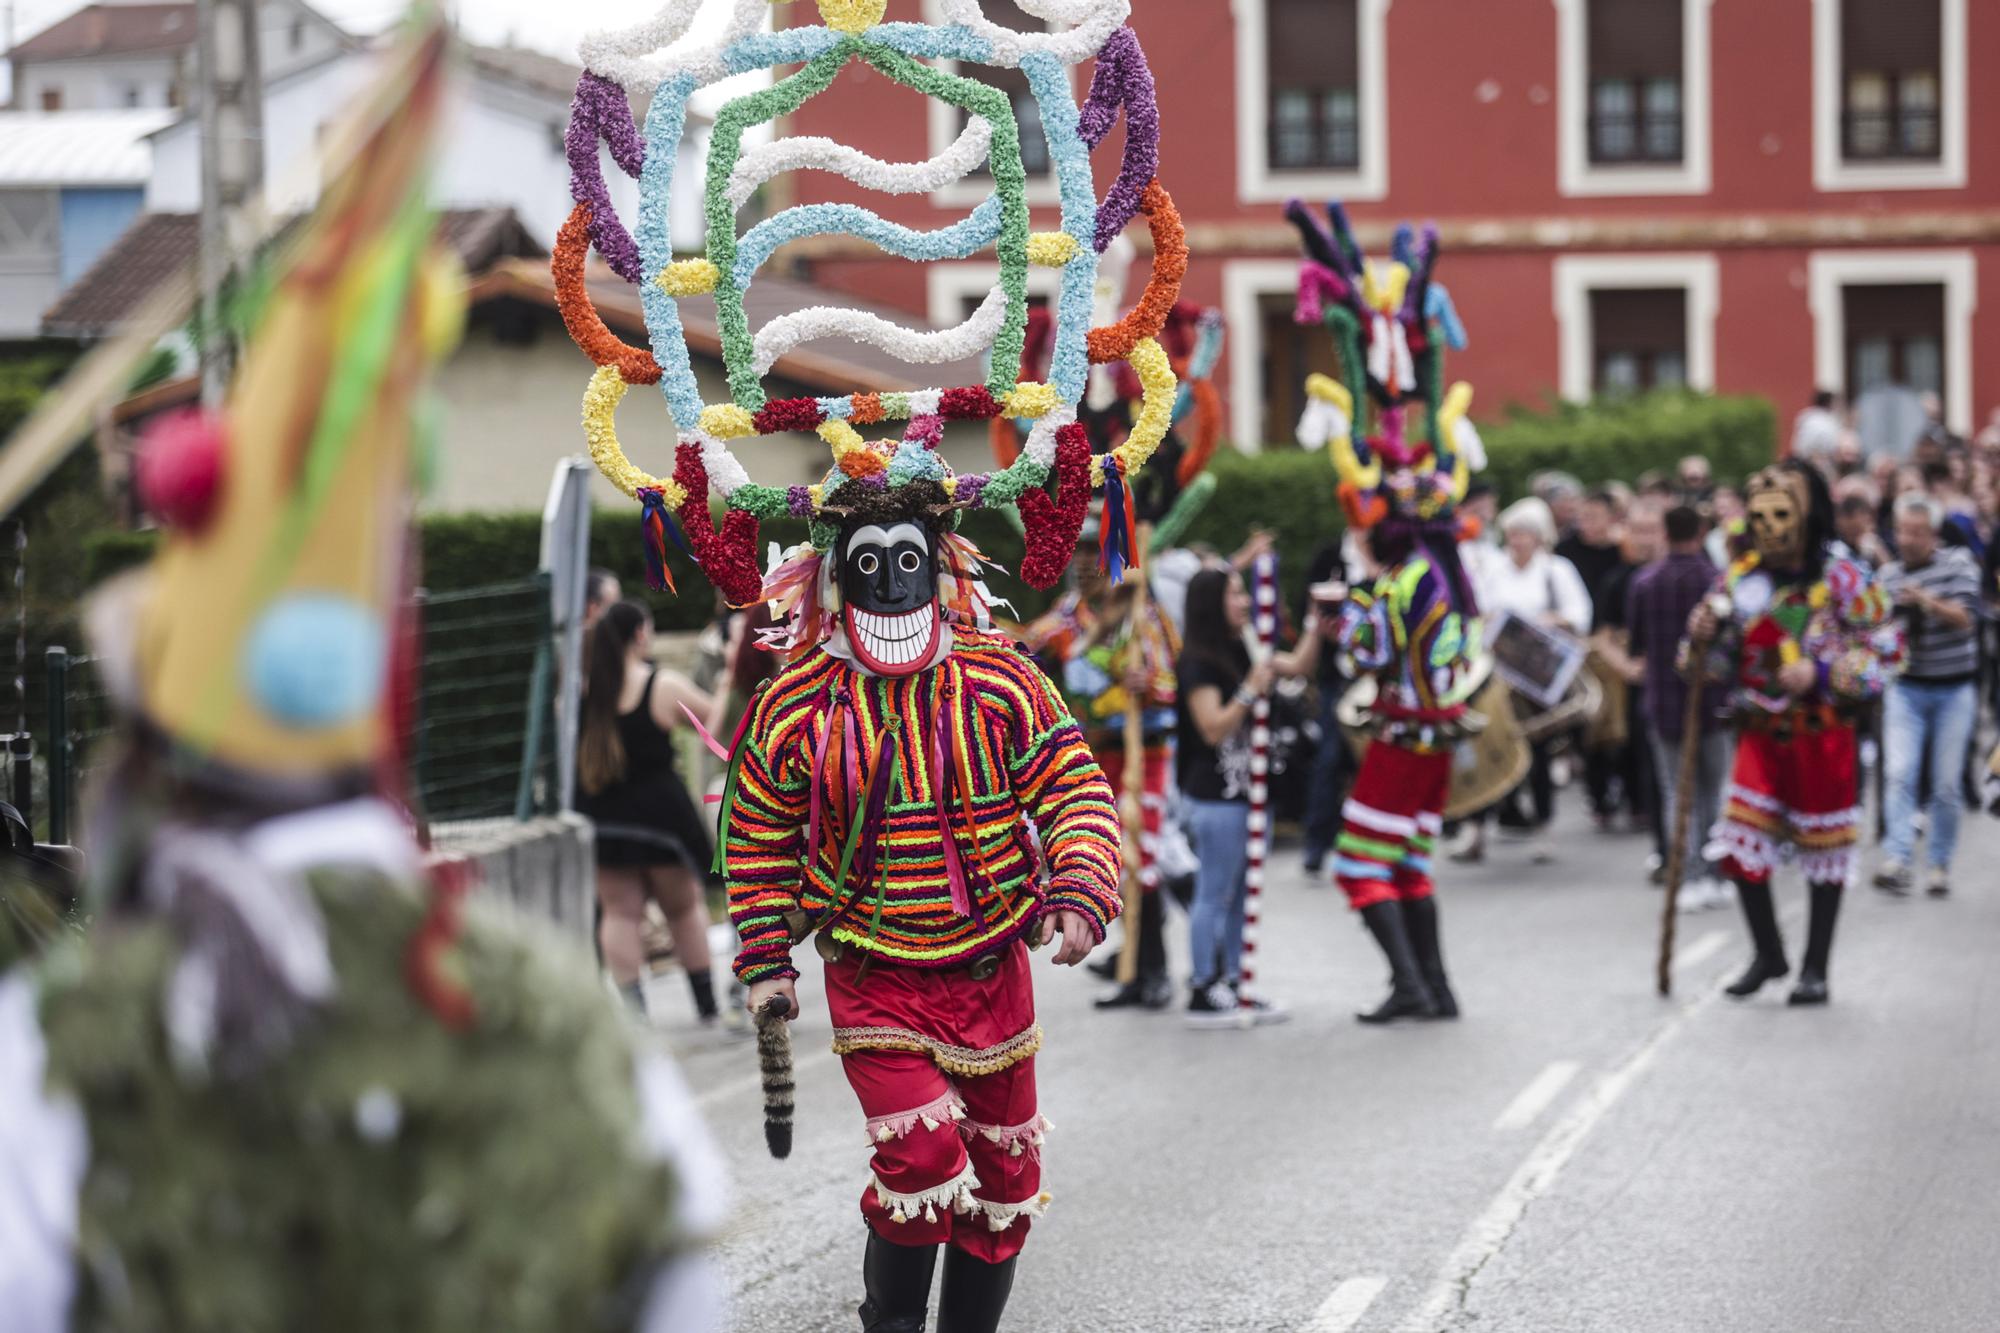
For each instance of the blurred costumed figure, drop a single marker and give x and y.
(285, 1081)
(1806, 639)
(1109, 643)
(1416, 628)
(909, 790)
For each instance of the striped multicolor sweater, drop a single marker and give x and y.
(948, 762)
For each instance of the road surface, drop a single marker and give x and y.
(1573, 1154)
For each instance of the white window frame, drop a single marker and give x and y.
(1827, 272)
(1577, 175)
(944, 129)
(949, 285)
(1577, 276)
(1256, 182)
(1243, 282)
(1831, 169)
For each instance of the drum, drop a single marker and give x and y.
(1608, 727)
(1487, 763)
(1577, 707)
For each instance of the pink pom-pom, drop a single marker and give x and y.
(179, 468)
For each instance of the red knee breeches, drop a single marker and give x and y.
(943, 1065)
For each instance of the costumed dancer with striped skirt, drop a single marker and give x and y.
(1416, 629)
(1805, 637)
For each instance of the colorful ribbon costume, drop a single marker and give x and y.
(284, 1080)
(881, 788)
(1791, 606)
(1416, 628)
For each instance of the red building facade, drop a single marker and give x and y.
(1753, 196)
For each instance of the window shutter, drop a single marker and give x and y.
(1636, 38)
(1891, 35)
(1312, 44)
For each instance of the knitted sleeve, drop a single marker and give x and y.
(1059, 784)
(764, 843)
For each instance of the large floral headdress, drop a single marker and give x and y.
(1391, 323)
(1057, 448)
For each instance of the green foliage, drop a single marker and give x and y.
(112, 551)
(1616, 439)
(503, 1190)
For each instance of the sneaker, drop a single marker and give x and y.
(1656, 868)
(1893, 878)
(1937, 883)
(1264, 1012)
(1541, 848)
(1212, 1006)
(1468, 847)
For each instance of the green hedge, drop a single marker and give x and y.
(1284, 489)
(1616, 439)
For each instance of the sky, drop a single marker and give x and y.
(545, 25)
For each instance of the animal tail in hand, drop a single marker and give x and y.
(774, 1060)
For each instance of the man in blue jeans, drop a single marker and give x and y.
(1931, 709)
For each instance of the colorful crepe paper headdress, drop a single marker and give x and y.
(1057, 447)
(268, 623)
(1391, 323)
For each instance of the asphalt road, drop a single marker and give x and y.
(1574, 1154)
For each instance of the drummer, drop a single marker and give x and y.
(1533, 583)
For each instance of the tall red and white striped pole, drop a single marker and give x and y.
(1263, 644)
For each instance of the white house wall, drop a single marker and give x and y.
(499, 149)
(94, 84)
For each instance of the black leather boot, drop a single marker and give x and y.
(1421, 915)
(1762, 918)
(1819, 945)
(1408, 996)
(975, 1293)
(898, 1278)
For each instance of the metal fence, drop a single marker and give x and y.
(483, 743)
(79, 716)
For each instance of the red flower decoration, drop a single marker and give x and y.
(727, 555)
(1052, 525)
(783, 414)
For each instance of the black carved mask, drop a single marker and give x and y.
(888, 587)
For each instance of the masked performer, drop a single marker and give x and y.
(284, 1080)
(909, 790)
(1110, 644)
(1415, 630)
(1806, 639)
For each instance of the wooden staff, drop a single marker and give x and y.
(1263, 643)
(1131, 788)
(1683, 800)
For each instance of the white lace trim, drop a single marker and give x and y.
(1756, 800)
(1026, 1137)
(944, 1110)
(1000, 1216)
(955, 1194)
(1760, 854)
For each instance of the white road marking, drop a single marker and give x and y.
(1703, 949)
(1534, 1099)
(752, 1082)
(1444, 1300)
(1343, 1309)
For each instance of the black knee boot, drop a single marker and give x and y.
(1421, 915)
(1151, 987)
(1762, 917)
(975, 1293)
(701, 985)
(898, 1278)
(1408, 996)
(1819, 945)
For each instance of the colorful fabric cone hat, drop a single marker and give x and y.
(1391, 323)
(266, 634)
(1057, 448)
